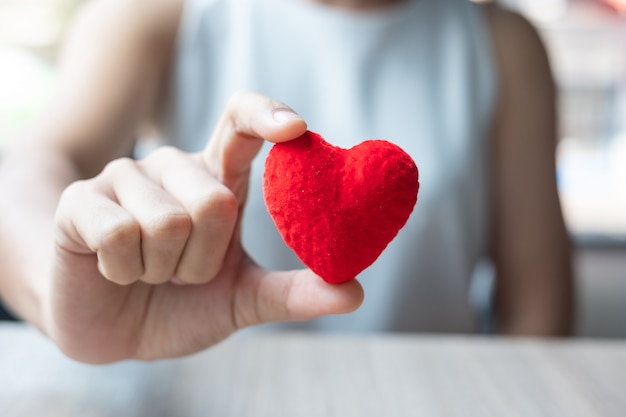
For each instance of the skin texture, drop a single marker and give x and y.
(90, 285)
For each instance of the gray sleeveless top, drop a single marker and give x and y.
(420, 74)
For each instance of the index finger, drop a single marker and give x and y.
(249, 119)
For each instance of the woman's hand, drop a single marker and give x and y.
(148, 261)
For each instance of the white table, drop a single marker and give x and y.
(323, 375)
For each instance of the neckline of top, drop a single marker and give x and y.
(387, 15)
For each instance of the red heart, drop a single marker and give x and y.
(338, 209)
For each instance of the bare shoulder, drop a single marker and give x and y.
(512, 30)
(518, 47)
(527, 87)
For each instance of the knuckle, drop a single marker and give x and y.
(170, 226)
(118, 166)
(70, 195)
(120, 236)
(162, 154)
(71, 199)
(217, 202)
(237, 98)
(75, 189)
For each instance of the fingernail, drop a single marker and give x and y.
(177, 281)
(284, 116)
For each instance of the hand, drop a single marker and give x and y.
(128, 238)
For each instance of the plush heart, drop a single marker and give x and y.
(338, 209)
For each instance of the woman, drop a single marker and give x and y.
(465, 89)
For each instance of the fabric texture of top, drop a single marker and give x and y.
(420, 74)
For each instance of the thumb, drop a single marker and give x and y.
(298, 295)
(248, 119)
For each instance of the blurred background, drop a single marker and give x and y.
(586, 41)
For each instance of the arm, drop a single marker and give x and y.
(108, 84)
(531, 248)
(94, 247)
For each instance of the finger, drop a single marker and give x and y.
(266, 296)
(211, 205)
(91, 222)
(165, 224)
(249, 117)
